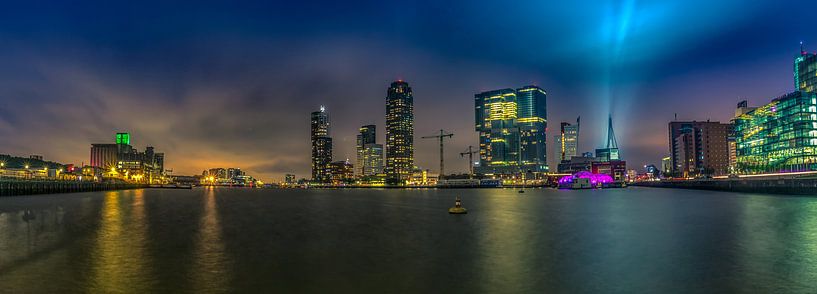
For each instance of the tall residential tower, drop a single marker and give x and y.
(321, 146)
(399, 133)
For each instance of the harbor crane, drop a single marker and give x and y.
(441, 136)
(470, 154)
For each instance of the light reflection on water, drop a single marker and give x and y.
(209, 266)
(249, 240)
(119, 253)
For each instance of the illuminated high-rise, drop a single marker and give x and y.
(372, 160)
(399, 133)
(321, 147)
(532, 121)
(568, 140)
(805, 71)
(367, 135)
(778, 137)
(511, 125)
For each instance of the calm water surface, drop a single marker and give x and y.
(636, 240)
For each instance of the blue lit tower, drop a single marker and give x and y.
(532, 123)
(805, 71)
(399, 133)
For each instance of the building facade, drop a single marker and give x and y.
(568, 141)
(699, 148)
(576, 164)
(805, 71)
(617, 169)
(341, 172)
(367, 148)
(321, 146)
(104, 155)
(778, 137)
(399, 133)
(512, 128)
(123, 161)
(372, 160)
(666, 165)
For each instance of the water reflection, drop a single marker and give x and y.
(209, 267)
(506, 242)
(26, 232)
(547, 241)
(807, 241)
(120, 261)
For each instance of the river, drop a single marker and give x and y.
(214, 240)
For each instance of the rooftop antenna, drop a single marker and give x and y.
(802, 49)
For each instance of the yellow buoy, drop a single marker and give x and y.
(457, 209)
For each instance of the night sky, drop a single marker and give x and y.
(217, 84)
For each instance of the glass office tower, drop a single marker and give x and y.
(511, 125)
(805, 71)
(367, 135)
(778, 137)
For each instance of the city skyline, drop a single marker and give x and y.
(229, 95)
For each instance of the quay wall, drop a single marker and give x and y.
(17, 188)
(792, 186)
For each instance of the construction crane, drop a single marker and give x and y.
(441, 136)
(470, 154)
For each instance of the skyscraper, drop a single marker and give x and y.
(399, 133)
(367, 135)
(511, 125)
(805, 71)
(532, 121)
(321, 146)
(568, 140)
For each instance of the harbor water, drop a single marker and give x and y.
(215, 240)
